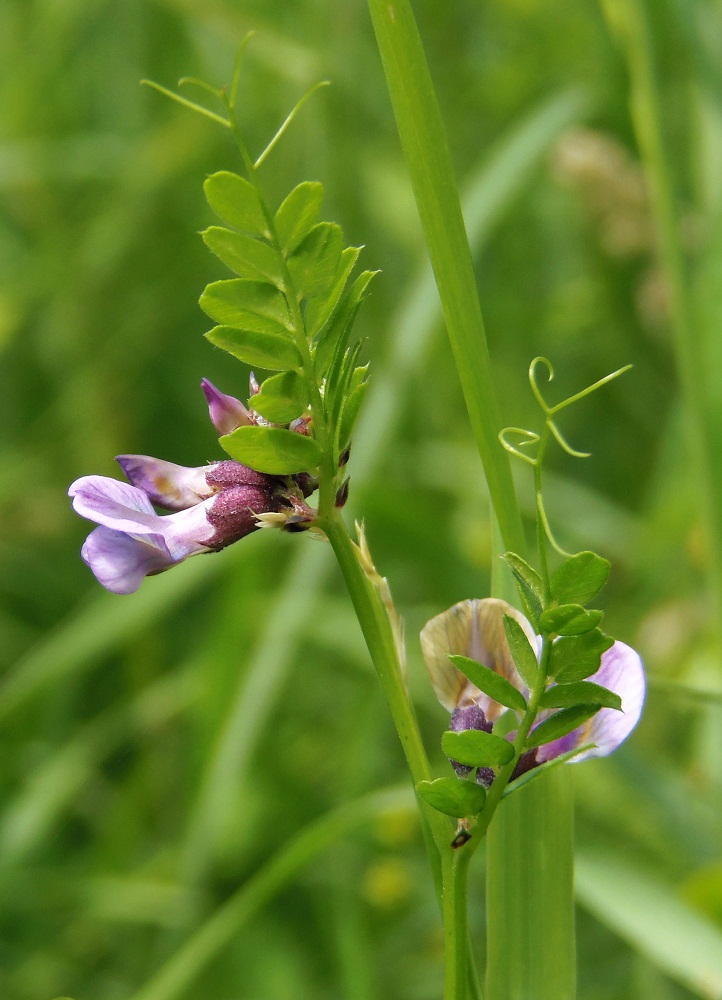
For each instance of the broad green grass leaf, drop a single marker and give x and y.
(236, 201)
(562, 722)
(298, 215)
(282, 398)
(476, 748)
(522, 653)
(569, 619)
(315, 262)
(575, 657)
(579, 578)
(272, 449)
(452, 796)
(267, 350)
(248, 257)
(248, 305)
(491, 683)
(579, 693)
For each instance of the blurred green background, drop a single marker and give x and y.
(159, 750)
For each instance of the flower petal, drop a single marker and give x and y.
(174, 487)
(226, 412)
(188, 532)
(473, 628)
(114, 504)
(121, 561)
(621, 671)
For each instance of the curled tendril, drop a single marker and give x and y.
(533, 382)
(193, 81)
(551, 410)
(528, 438)
(563, 443)
(542, 515)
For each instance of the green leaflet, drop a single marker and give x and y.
(248, 257)
(338, 389)
(579, 693)
(569, 619)
(349, 414)
(314, 263)
(491, 683)
(559, 724)
(579, 578)
(332, 338)
(452, 796)
(522, 653)
(282, 398)
(477, 749)
(575, 657)
(319, 308)
(248, 305)
(236, 201)
(529, 585)
(298, 214)
(272, 449)
(267, 350)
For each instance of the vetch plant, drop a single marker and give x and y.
(525, 691)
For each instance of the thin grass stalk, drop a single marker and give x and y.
(423, 140)
(428, 159)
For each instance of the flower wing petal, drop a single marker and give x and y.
(621, 671)
(121, 561)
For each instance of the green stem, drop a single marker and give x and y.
(502, 779)
(376, 627)
(448, 865)
(456, 960)
(541, 539)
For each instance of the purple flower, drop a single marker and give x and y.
(212, 506)
(475, 629)
(226, 412)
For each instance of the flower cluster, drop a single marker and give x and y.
(475, 629)
(212, 506)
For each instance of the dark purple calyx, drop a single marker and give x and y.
(526, 762)
(307, 483)
(470, 717)
(226, 474)
(233, 511)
